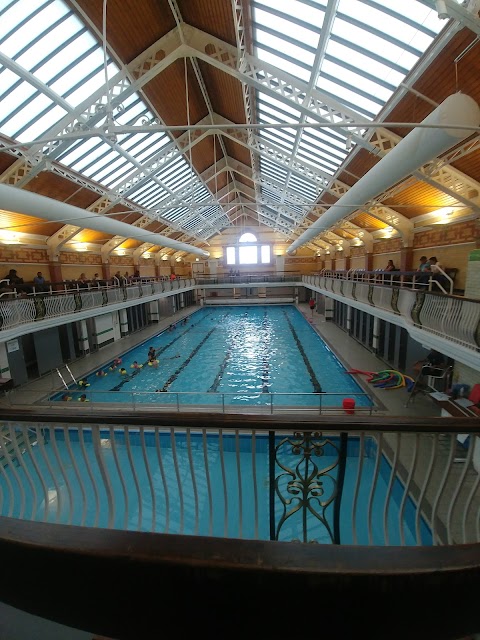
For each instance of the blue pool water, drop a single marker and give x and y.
(245, 353)
(152, 501)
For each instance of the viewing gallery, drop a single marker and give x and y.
(239, 317)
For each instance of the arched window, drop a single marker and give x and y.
(247, 237)
(248, 251)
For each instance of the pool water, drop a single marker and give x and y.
(178, 496)
(245, 352)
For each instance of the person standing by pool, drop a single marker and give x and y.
(312, 304)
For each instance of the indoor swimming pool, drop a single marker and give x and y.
(209, 484)
(232, 355)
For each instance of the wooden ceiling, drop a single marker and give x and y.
(135, 25)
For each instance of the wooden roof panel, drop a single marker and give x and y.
(19, 223)
(225, 93)
(211, 16)
(167, 92)
(6, 161)
(132, 27)
(418, 198)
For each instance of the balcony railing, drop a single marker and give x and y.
(324, 403)
(72, 299)
(453, 318)
(222, 512)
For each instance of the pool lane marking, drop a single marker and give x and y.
(265, 358)
(128, 377)
(317, 387)
(174, 376)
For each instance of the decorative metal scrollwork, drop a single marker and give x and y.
(305, 490)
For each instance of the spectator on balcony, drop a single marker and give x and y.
(390, 267)
(173, 276)
(118, 279)
(83, 281)
(15, 283)
(423, 271)
(39, 282)
(437, 272)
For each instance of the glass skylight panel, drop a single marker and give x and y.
(376, 44)
(8, 80)
(103, 176)
(270, 196)
(312, 138)
(272, 169)
(68, 81)
(12, 15)
(272, 137)
(153, 195)
(94, 162)
(43, 124)
(28, 112)
(148, 192)
(269, 41)
(15, 41)
(308, 190)
(77, 150)
(12, 100)
(176, 181)
(365, 107)
(283, 64)
(41, 50)
(323, 165)
(356, 80)
(280, 22)
(280, 107)
(392, 72)
(263, 107)
(87, 88)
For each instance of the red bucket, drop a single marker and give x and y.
(349, 405)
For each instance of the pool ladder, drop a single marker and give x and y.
(63, 379)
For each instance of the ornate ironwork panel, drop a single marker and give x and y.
(305, 489)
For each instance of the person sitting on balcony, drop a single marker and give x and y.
(15, 282)
(423, 271)
(437, 272)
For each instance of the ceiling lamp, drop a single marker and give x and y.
(444, 213)
(9, 237)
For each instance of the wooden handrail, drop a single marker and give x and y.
(131, 585)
